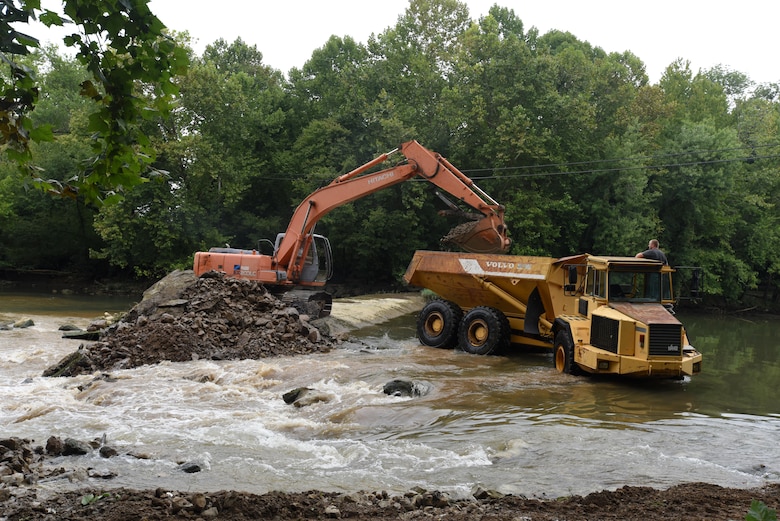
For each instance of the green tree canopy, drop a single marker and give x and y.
(132, 65)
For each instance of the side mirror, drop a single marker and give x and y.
(695, 278)
(571, 287)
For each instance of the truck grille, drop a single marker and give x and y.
(604, 334)
(665, 339)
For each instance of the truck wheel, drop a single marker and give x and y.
(563, 357)
(483, 331)
(437, 325)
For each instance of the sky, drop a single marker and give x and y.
(738, 35)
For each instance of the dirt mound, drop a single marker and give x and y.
(183, 317)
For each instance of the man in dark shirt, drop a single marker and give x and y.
(653, 252)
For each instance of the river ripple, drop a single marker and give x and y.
(508, 423)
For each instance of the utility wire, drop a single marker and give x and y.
(621, 168)
(627, 159)
(560, 168)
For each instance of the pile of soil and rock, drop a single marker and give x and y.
(183, 318)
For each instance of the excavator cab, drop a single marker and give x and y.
(318, 265)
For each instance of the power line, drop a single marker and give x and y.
(561, 168)
(624, 168)
(627, 159)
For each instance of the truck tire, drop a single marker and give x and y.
(483, 331)
(437, 325)
(563, 356)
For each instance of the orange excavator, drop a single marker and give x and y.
(302, 262)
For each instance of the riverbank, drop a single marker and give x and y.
(31, 500)
(692, 501)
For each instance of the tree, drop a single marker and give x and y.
(694, 97)
(43, 232)
(221, 148)
(700, 206)
(234, 121)
(413, 60)
(133, 65)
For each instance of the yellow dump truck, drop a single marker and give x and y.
(599, 315)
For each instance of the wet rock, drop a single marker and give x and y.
(23, 323)
(190, 467)
(72, 364)
(478, 492)
(312, 397)
(331, 327)
(18, 462)
(311, 333)
(405, 388)
(69, 327)
(12, 443)
(73, 447)
(54, 446)
(107, 452)
(101, 474)
(290, 396)
(305, 396)
(80, 334)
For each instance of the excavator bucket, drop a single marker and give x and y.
(483, 236)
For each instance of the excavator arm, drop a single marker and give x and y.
(488, 235)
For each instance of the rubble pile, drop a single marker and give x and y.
(183, 317)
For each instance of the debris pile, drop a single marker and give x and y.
(183, 317)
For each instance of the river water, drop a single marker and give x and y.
(507, 423)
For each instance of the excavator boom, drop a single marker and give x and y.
(294, 262)
(489, 235)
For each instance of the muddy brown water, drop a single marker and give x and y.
(509, 423)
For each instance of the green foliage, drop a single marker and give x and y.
(147, 231)
(583, 152)
(132, 64)
(760, 512)
(89, 499)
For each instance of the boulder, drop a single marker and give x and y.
(304, 396)
(406, 388)
(23, 323)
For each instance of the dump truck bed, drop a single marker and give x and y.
(504, 282)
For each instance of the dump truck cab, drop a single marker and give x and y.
(625, 322)
(598, 314)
